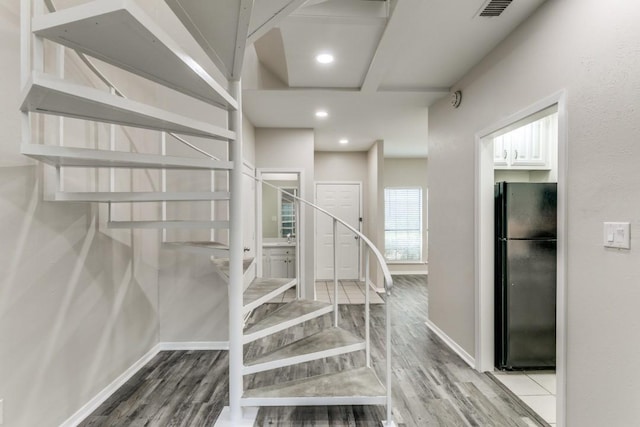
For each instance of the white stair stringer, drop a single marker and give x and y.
(50, 95)
(201, 248)
(55, 155)
(358, 386)
(138, 196)
(120, 33)
(327, 343)
(288, 315)
(262, 290)
(169, 224)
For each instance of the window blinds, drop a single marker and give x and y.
(403, 224)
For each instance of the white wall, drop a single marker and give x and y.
(292, 149)
(591, 52)
(410, 172)
(374, 208)
(78, 304)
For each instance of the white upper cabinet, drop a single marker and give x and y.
(526, 147)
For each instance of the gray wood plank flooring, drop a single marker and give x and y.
(432, 385)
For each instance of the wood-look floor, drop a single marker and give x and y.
(432, 385)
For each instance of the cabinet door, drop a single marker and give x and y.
(529, 145)
(279, 265)
(501, 151)
(291, 266)
(266, 266)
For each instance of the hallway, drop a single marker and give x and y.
(432, 386)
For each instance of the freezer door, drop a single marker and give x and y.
(530, 304)
(530, 210)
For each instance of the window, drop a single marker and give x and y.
(288, 213)
(403, 224)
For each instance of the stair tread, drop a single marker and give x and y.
(159, 224)
(122, 34)
(50, 95)
(199, 247)
(138, 196)
(360, 382)
(329, 339)
(290, 311)
(260, 287)
(223, 265)
(87, 157)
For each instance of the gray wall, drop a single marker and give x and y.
(591, 52)
(292, 149)
(404, 172)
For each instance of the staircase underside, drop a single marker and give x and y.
(50, 95)
(120, 33)
(138, 196)
(89, 158)
(358, 386)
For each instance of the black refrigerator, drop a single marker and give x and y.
(525, 275)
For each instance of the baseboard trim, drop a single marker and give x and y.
(469, 360)
(194, 345)
(408, 272)
(103, 395)
(375, 288)
(93, 404)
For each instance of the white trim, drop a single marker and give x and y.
(375, 288)
(194, 345)
(469, 360)
(484, 259)
(408, 272)
(313, 401)
(105, 393)
(249, 416)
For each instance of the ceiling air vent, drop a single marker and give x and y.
(494, 7)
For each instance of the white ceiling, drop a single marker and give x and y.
(392, 60)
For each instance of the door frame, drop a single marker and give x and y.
(484, 253)
(359, 225)
(300, 224)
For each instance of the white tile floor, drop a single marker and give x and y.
(349, 292)
(537, 389)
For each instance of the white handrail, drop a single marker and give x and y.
(51, 7)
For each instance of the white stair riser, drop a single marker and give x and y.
(284, 325)
(302, 358)
(268, 297)
(313, 401)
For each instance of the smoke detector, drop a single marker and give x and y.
(456, 99)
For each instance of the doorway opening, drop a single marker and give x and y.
(280, 225)
(510, 151)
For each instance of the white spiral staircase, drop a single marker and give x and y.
(120, 33)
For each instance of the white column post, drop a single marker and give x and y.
(367, 338)
(235, 262)
(335, 272)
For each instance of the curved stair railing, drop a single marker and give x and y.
(388, 285)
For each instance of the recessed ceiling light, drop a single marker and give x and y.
(344, 141)
(321, 114)
(324, 58)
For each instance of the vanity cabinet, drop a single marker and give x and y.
(279, 261)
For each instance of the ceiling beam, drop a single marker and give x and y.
(274, 20)
(242, 34)
(389, 44)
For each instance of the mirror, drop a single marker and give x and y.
(279, 208)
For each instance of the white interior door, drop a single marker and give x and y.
(249, 214)
(343, 201)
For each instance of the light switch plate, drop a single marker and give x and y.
(616, 235)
